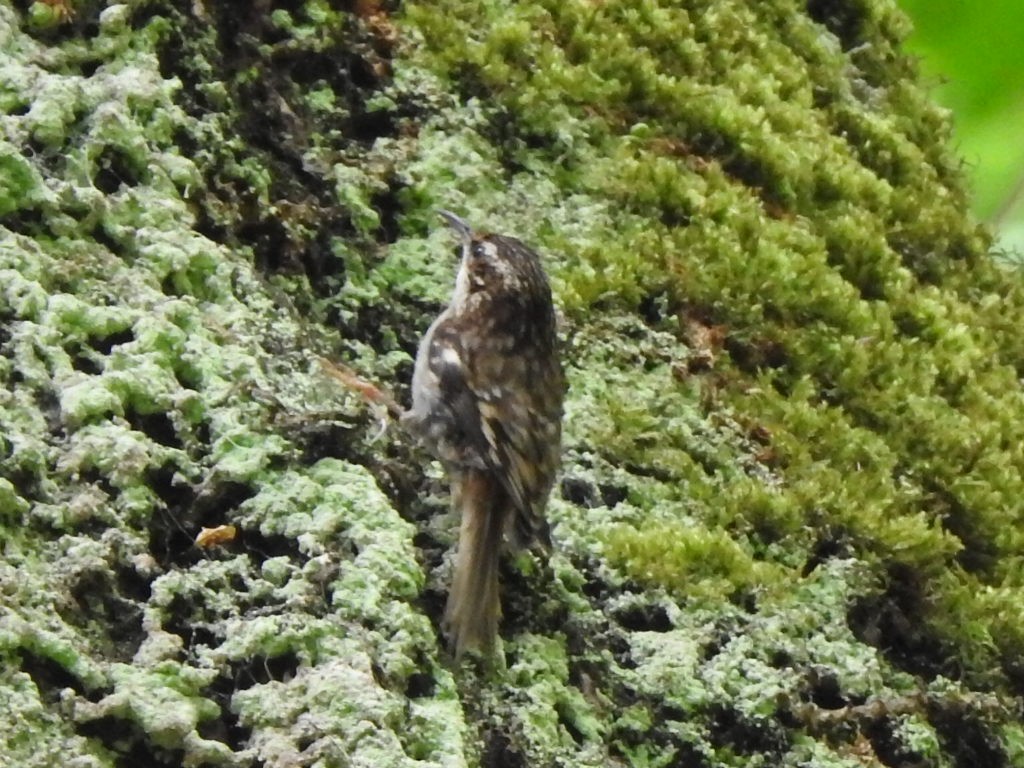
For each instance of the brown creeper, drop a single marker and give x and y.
(487, 396)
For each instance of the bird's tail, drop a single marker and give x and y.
(474, 604)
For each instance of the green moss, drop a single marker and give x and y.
(687, 559)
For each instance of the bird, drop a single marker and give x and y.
(487, 401)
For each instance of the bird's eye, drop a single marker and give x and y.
(478, 250)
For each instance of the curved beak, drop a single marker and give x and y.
(461, 227)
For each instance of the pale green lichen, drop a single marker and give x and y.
(35, 733)
(337, 713)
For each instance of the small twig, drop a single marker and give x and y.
(382, 401)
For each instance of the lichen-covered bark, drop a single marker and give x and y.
(788, 530)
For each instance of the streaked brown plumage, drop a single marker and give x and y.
(487, 401)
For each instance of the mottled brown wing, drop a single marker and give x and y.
(459, 438)
(520, 407)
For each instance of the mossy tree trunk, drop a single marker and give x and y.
(788, 530)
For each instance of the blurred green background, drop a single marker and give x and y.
(974, 52)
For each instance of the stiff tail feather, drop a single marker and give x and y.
(474, 603)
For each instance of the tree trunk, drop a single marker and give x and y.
(788, 526)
